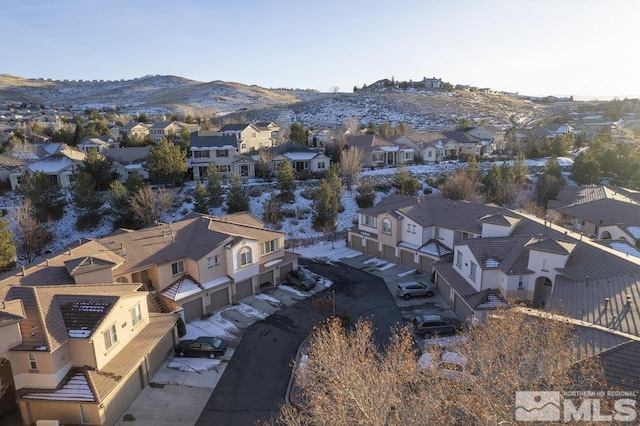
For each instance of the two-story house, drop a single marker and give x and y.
(126, 161)
(135, 130)
(380, 152)
(97, 143)
(222, 150)
(468, 145)
(162, 129)
(482, 255)
(248, 137)
(79, 354)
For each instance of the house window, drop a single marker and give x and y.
(216, 260)
(321, 165)
(386, 226)
(408, 227)
(225, 168)
(244, 170)
(429, 154)
(545, 265)
(122, 280)
(253, 134)
(222, 153)
(413, 229)
(521, 282)
(209, 262)
(369, 221)
(580, 224)
(177, 267)
(243, 146)
(200, 154)
(110, 337)
(436, 232)
(472, 272)
(458, 258)
(33, 365)
(136, 314)
(245, 257)
(85, 414)
(270, 246)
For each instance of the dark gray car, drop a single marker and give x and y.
(428, 325)
(301, 279)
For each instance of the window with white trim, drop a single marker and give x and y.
(209, 262)
(386, 226)
(177, 267)
(436, 232)
(521, 281)
(245, 257)
(122, 280)
(33, 365)
(216, 260)
(472, 271)
(321, 165)
(136, 314)
(85, 414)
(270, 246)
(110, 337)
(458, 258)
(369, 221)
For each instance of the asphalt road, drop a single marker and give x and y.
(255, 380)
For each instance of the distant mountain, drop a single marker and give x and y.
(421, 109)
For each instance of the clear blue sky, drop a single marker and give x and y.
(535, 47)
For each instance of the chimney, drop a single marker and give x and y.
(47, 262)
(69, 251)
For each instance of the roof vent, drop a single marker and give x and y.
(24, 271)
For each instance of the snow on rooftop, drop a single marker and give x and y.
(79, 334)
(181, 289)
(273, 262)
(214, 283)
(299, 156)
(76, 389)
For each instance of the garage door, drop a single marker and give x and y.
(426, 264)
(389, 253)
(243, 289)
(406, 258)
(462, 309)
(267, 277)
(284, 270)
(218, 299)
(193, 310)
(372, 247)
(122, 399)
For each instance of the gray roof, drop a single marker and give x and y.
(234, 127)
(461, 137)
(211, 140)
(621, 365)
(131, 155)
(368, 143)
(161, 125)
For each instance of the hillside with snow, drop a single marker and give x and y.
(421, 109)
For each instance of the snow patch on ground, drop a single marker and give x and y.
(194, 364)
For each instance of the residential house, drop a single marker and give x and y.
(430, 83)
(468, 145)
(248, 136)
(212, 147)
(135, 130)
(380, 152)
(97, 143)
(601, 212)
(163, 129)
(60, 166)
(489, 134)
(319, 138)
(481, 256)
(8, 164)
(428, 146)
(126, 161)
(79, 354)
(195, 265)
(269, 126)
(301, 158)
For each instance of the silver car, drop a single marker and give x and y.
(410, 289)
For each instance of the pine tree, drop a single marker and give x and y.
(7, 247)
(237, 200)
(286, 178)
(404, 183)
(366, 194)
(298, 134)
(214, 187)
(334, 180)
(201, 201)
(46, 198)
(86, 200)
(134, 182)
(325, 207)
(166, 162)
(99, 168)
(492, 184)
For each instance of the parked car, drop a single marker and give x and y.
(411, 289)
(202, 346)
(301, 279)
(428, 325)
(451, 365)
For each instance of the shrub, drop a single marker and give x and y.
(382, 186)
(427, 190)
(288, 212)
(286, 197)
(255, 191)
(309, 192)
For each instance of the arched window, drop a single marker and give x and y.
(245, 257)
(386, 226)
(122, 280)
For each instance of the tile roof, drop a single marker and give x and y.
(621, 365)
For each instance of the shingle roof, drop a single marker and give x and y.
(201, 140)
(621, 365)
(234, 127)
(368, 143)
(135, 154)
(461, 137)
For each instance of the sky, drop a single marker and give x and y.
(584, 48)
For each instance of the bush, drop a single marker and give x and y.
(88, 221)
(427, 190)
(182, 328)
(288, 212)
(286, 197)
(309, 192)
(255, 191)
(382, 186)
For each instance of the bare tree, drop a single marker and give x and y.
(149, 205)
(460, 186)
(31, 235)
(350, 166)
(351, 125)
(334, 89)
(345, 379)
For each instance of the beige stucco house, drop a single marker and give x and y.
(223, 151)
(249, 137)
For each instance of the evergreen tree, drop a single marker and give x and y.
(492, 184)
(166, 162)
(99, 168)
(473, 170)
(237, 200)
(46, 198)
(86, 200)
(286, 178)
(586, 169)
(215, 192)
(78, 135)
(334, 180)
(298, 134)
(271, 207)
(201, 201)
(7, 247)
(404, 183)
(134, 182)
(366, 194)
(325, 207)
(385, 130)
